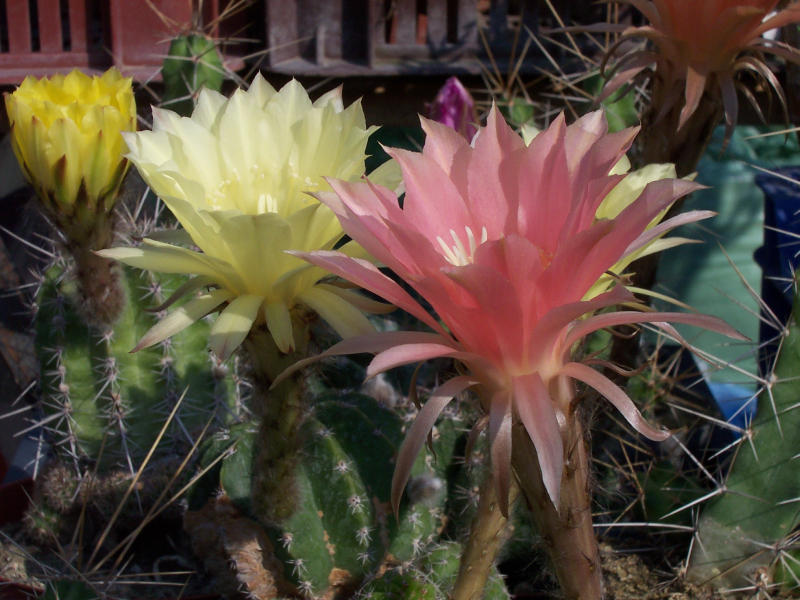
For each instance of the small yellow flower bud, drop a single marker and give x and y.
(66, 136)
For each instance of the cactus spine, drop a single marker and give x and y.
(97, 394)
(342, 530)
(193, 62)
(743, 527)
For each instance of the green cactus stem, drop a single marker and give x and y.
(281, 411)
(193, 62)
(567, 529)
(342, 530)
(430, 578)
(101, 294)
(742, 529)
(97, 394)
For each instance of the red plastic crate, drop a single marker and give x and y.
(46, 45)
(37, 38)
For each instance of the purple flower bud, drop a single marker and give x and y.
(455, 108)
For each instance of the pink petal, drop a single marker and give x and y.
(616, 396)
(366, 275)
(499, 302)
(432, 203)
(412, 444)
(582, 136)
(442, 144)
(654, 233)
(786, 16)
(365, 211)
(488, 194)
(543, 191)
(406, 354)
(544, 338)
(364, 344)
(535, 409)
(695, 86)
(595, 323)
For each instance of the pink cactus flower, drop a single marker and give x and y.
(455, 108)
(503, 241)
(701, 46)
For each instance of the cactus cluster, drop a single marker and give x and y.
(431, 579)
(342, 531)
(748, 526)
(103, 402)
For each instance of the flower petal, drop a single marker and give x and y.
(406, 354)
(415, 438)
(500, 445)
(613, 319)
(345, 318)
(367, 276)
(616, 396)
(165, 258)
(233, 325)
(180, 318)
(535, 409)
(279, 323)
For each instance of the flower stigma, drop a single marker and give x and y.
(457, 255)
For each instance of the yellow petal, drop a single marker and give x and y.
(233, 325)
(180, 318)
(345, 319)
(279, 323)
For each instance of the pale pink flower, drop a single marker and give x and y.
(503, 241)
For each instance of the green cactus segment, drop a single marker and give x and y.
(194, 62)
(343, 528)
(96, 393)
(432, 578)
(760, 505)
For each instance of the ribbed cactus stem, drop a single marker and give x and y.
(101, 295)
(486, 537)
(567, 530)
(281, 411)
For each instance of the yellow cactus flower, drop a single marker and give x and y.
(66, 135)
(237, 175)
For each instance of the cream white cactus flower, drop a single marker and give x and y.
(237, 175)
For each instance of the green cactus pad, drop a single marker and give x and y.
(432, 578)
(343, 529)
(742, 528)
(194, 62)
